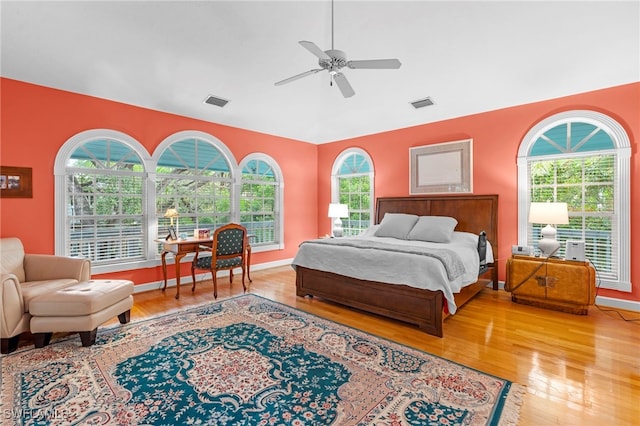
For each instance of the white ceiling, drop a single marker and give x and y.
(468, 56)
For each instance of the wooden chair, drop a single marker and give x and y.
(228, 251)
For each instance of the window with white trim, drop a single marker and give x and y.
(195, 177)
(352, 184)
(260, 199)
(101, 178)
(581, 158)
(111, 195)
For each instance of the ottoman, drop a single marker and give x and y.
(80, 308)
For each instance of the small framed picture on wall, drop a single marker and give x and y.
(15, 182)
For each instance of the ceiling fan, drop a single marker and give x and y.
(333, 60)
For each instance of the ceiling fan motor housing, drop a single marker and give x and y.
(338, 60)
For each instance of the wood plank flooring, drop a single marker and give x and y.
(578, 370)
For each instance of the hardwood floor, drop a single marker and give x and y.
(578, 370)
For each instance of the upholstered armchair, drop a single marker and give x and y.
(25, 276)
(228, 251)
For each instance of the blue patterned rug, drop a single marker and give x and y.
(246, 361)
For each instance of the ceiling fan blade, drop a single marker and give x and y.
(296, 77)
(311, 47)
(343, 85)
(375, 64)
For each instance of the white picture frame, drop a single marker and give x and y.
(441, 168)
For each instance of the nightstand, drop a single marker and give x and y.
(563, 285)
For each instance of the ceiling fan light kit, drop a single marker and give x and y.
(333, 60)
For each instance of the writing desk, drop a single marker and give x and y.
(180, 248)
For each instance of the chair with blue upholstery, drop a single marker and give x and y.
(228, 252)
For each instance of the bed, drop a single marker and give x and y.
(403, 301)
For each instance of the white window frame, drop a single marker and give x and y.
(60, 187)
(278, 244)
(149, 205)
(207, 138)
(622, 184)
(335, 177)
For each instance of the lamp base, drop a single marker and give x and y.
(548, 245)
(337, 228)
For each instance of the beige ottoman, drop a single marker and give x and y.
(80, 308)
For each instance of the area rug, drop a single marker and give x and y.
(246, 361)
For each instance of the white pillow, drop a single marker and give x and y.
(435, 229)
(396, 225)
(370, 231)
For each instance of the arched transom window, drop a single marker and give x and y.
(581, 158)
(261, 199)
(111, 196)
(100, 213)
(194, 176)
(352, 184)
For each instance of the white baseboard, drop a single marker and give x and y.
(610, 302)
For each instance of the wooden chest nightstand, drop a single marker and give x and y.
(563, 285)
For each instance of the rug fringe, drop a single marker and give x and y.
(511, 410)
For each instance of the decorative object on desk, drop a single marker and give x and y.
(337, 211)
(15, 182)
(549, 214)
(201, 234)
(173, 213)
(248, 360)
(172, 234)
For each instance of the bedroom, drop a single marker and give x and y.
(42, 118)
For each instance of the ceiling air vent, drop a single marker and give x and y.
(213, 100)
(420, 103)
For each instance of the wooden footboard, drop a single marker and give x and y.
(424, 308)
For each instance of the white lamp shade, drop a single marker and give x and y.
(549, 213)
(338, 210)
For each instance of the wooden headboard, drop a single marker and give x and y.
(474, 213)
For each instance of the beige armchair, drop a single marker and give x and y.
(26, 276)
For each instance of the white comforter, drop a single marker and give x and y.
(396, 267)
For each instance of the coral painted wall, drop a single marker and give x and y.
(37, 121)
(496, 138)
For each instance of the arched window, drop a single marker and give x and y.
(194, 174)
(100, 198)
(261, 200)
(111, 195)
(581, 158)
(352, 184)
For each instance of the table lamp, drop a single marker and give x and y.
(336, 211)
(171, 213)
(549, 214)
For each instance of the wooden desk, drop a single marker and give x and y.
(180, 248)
